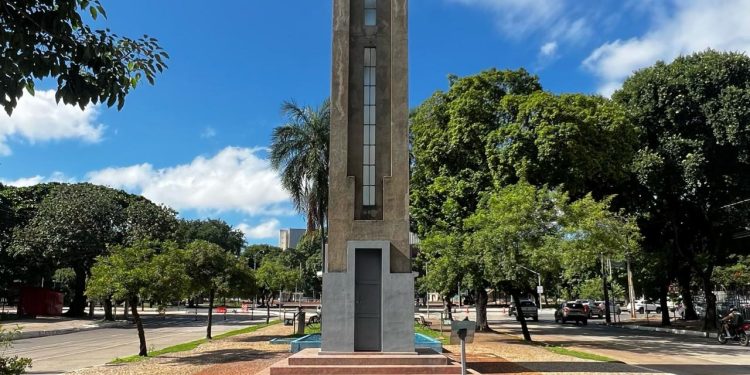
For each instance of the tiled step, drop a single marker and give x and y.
(363, 370)
(369, 360)
(311, 362)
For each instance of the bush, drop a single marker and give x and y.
(11, 365)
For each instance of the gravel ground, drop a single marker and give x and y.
(250, 352)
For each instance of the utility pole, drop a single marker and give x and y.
(539, 284)
(606, 290)
(631, 290)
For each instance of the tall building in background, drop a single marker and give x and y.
(290, 238)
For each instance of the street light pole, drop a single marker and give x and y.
(631, 290)
(539, 283)
(608, 317)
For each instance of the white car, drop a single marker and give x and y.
(642, 306)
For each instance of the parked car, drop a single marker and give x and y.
(572, 311)
(599, 309)
(642, 306)
(528, 308)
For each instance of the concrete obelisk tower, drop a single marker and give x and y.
(368, 287)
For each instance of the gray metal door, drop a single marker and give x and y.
(367, 281)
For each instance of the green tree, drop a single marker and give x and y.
(693, 118)
(212, 230)
(449, 132)
(72, 226)
(273, 276)
(147, 221)
(442, 256)
(450, 172)
(518, 224)
(300, 152)
(215, 271)
(578, 142)
(146, 270)
(21, 205)
(735, 275)
(48, 38)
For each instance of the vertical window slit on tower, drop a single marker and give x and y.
(371, 13)
(368, 151)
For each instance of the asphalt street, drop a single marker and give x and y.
(654, 351)
(62, 353)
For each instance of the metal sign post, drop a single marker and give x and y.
(462, 331)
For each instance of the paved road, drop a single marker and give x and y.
(58, 354)
(655, 351)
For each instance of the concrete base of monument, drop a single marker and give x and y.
(312, 362)
(396, 304)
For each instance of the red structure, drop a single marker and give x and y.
(39, 301)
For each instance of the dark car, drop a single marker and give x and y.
(572, 311)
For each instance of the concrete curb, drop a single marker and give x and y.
(674, 331)
(91, 327)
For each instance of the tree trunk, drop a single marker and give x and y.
(210, 312)
(482, 324)
(519, 315)
(108, 310)
(665, 321)
(709, 322)
(78, 303)
(91, 309)
(687, 295)
(268, 310)
(143, 352)
(322, 243)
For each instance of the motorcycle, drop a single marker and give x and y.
(741, 334)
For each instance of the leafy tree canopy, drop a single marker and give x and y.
(693, 163)
(449, 134)
(583, 143)
(214, 231)
(49, 38)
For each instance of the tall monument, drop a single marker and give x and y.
(368, 287)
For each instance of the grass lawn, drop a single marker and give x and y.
(192, 344)
(577, 354)
(429, 332)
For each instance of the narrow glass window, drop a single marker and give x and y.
(368, 151)
(371, 13)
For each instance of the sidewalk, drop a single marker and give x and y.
(51, 326)
(679, 327)
(59, 325)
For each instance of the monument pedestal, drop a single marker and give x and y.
(313, 362)
(361, 314)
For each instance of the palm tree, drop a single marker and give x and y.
(299, 151)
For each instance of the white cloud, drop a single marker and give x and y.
(39, 118)
(265, 230)
(234, 180)
(548, 49)
(555, 18)
(691, 26)
(24, 181)
(38, 179)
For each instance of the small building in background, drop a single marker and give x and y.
(290, 238)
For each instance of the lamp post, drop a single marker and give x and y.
(539, 283)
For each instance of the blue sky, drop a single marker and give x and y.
(197, 139)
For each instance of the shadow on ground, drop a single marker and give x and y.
(213, 357)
